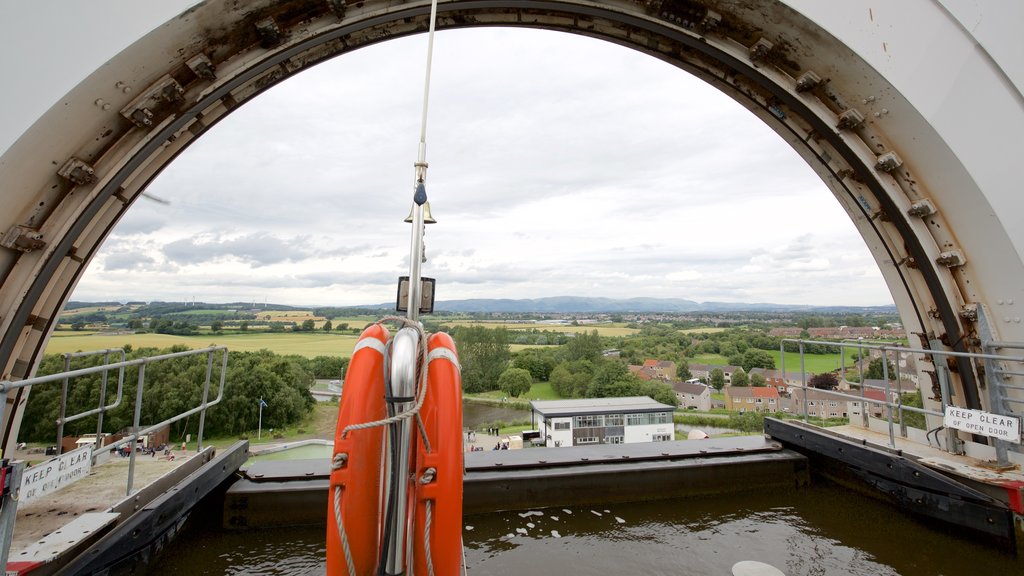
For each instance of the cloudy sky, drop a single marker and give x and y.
(559, 165)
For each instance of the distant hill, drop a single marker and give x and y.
(579, 304)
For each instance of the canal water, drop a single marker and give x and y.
(822, 530)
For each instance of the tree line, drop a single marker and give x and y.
(174, 386)
(576, 369)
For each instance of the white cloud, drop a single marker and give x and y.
(558, 165)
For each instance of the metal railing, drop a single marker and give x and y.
(100, 409)
(997, 378)
(65, 377)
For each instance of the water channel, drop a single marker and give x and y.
(822, 530)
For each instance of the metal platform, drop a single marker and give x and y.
(955, 490)
(277, 493)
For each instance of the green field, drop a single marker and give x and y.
(813, 363)
(302, 343)
(604, 329)
(539, 391)
(708, 330)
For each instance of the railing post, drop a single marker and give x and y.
(103, 400)
(992, 377)
(135, 429)
(206, 392)
(952, 441)
(888, 394)
(63, 405)
(803, 379)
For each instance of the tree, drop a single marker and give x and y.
(308, 325)
(484, 354)
(216, 326)
(583, 346)
(539, 363)
(755, 358)
(740, 378)
(571, 379)
(328, 367)
(683, 370)
(757, 380)
(79, 325)
(824, 381)
(244, 326)
(612, 379)
(327, 327)
(875, 370)
(342, 326)
(515, 382)
(717, 378)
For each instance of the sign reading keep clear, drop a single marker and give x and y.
(985, 423)
(48, 477)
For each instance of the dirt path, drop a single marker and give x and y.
(102, 488)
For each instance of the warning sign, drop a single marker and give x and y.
(984, 423)
(48, 477)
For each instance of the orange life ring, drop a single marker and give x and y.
(437, 472)
(362, 400)
(442, 420)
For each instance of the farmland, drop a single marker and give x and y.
(604, 329)
(307, 344)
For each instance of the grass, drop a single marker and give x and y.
(603, 329)
(307, 344)
(539, 391)
(708, 330)
(813, 363)
(319, 423)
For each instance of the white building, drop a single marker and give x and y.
(603, 421)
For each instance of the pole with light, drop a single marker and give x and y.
(259, 429)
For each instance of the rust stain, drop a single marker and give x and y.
(871, 14)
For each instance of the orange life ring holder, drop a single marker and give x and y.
(438, 472)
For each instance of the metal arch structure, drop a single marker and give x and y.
(908, 113)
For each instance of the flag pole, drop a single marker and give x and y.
(259, 430)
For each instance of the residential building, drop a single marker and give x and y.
(703, 371)
(663, 369)
(603, 421)
(748, 399)
(819, 404)
(874, 408)
(693, 395)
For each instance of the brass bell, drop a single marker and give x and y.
(427, 217)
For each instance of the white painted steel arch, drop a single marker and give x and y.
(909, 113)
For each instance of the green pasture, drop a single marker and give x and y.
(813, 363)
(603, 329)
(539, 391)
(308, 344)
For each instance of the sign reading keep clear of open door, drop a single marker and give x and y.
(985, 423)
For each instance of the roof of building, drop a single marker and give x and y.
(751, 392)
(689, 388)
(582, 406)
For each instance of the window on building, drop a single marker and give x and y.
(561, 425)
(586, 440)
(750, 400)
(613, 439)
(833, 414)
(661, 437)
(833, 404)
(759, 401)
(613, 420)
(771, 400)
